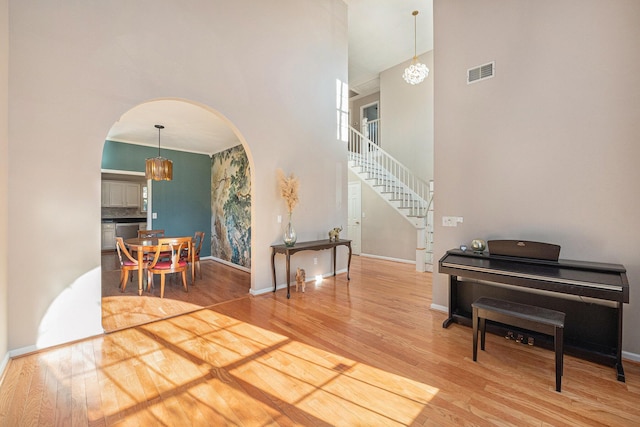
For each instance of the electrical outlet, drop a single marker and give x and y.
(315, 261)
(279, 219)
(451, 221)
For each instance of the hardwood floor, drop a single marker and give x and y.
(219, 283)
(368, 353)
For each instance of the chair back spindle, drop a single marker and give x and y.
(150, 233)
(176, 246)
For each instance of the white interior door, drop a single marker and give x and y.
(355, 214)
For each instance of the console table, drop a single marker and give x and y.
(316, 245)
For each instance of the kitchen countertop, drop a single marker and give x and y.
(123, 220)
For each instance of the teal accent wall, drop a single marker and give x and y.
(183, 204)
(127, 157)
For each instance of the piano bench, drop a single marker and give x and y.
(537, 319)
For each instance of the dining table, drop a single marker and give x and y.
(142, 246)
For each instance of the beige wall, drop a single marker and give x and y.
(547, 150)
(384, 232)
(388, 233)
(354, 108)
(4, 163)
(407, 111)
(406, 115)
(251, 62)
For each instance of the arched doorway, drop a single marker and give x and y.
(203, 146)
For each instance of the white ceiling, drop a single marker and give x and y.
(381, 35)
(187, 127)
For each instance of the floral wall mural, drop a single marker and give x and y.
(231, 207)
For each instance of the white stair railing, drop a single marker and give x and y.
(393, 178)
(371, 130)
(407, 193)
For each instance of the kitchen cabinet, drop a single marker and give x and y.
(117, 194)
(108, 235)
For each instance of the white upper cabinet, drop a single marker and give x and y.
(120, 194)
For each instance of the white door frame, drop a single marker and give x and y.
(354, 221)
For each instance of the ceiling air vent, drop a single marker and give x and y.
(481, 72)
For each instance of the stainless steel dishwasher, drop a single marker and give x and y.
(127, 230)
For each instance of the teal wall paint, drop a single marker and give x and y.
(126, 157)
(183, 204)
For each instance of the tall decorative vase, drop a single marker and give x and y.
(289, 236)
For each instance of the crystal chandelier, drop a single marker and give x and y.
(159, 168)
(416, 72)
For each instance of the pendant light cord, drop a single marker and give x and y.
(159, 128)
(415, 34)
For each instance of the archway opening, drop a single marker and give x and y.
(210, 192)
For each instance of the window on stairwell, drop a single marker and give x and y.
(342, 110)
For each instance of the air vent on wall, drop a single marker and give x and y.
(482, 72)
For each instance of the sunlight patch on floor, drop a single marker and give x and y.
(235, 354)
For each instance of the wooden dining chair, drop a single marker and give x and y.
(150, 233)
(128, 263)
(197, 246)
(143, 234)
(175, 264)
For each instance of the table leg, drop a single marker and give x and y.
(349, 262)
(140, 270)
(273, 268)
(193, 264)
(288, 276)
(334, 260)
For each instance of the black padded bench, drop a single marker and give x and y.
(523, 316)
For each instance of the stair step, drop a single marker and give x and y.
(392, 190)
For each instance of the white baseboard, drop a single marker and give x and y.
(3, 364)
(284, 285)
(230, 264)
(22, 351)
(438, 307)
(265, 290)
(405, 261)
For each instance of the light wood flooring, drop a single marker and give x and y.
(368, 353)
(218, 283)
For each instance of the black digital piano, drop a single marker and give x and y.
(591, 294)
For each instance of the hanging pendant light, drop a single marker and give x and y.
(416, 72)
(159, 168)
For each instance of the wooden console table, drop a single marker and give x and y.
(306, 246)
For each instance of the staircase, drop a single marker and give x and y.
(410, 196)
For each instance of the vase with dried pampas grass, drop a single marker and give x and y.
(289, 186)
